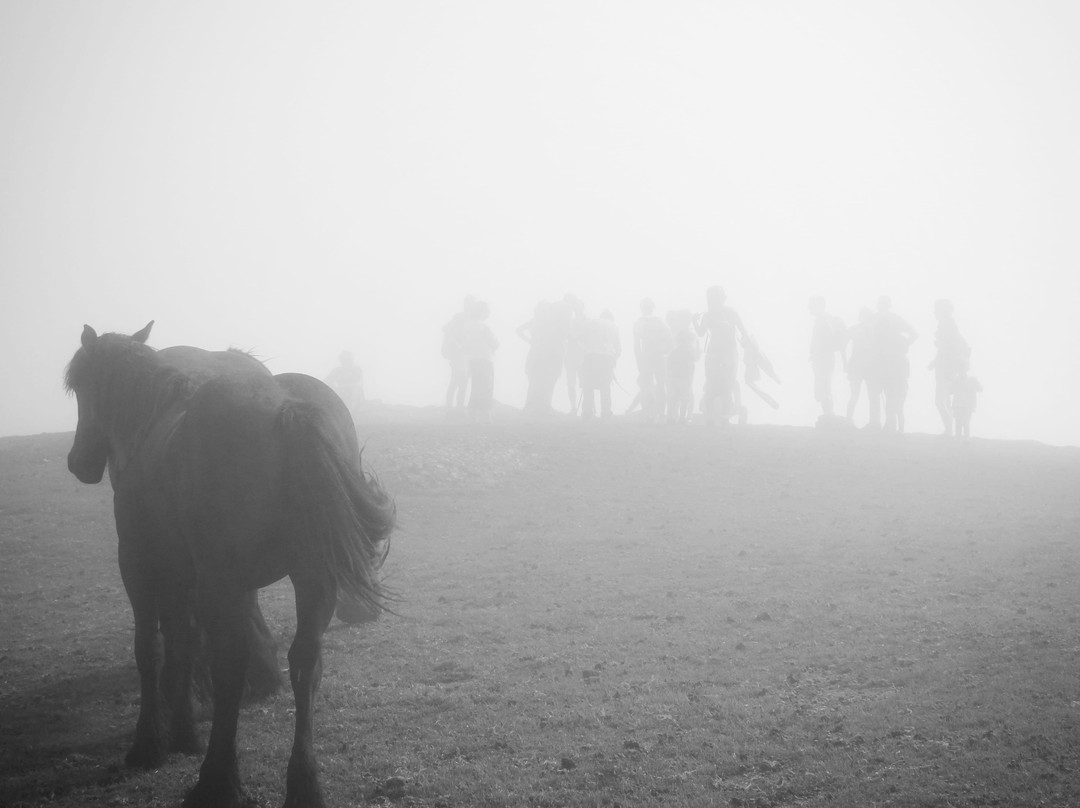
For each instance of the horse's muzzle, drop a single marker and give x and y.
(84, 473)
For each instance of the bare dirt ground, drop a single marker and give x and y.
(612, 615)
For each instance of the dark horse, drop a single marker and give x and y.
(225, 479)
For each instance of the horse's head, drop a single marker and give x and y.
(86, 377)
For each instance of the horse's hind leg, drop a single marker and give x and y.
(222, 613)
(263, 675)
(150, 746)
(315, 602)
(181, 646)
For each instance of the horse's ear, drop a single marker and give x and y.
(89, 336)
(141, 335)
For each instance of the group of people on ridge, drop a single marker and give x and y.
(565, 343)
(873, 353)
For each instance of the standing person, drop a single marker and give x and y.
(722, 326)
(652, 344)
(575, 347)
(453, 351)
(952, 353)
(347, 380)
(479, 343)
(602, 349)
(826, 340)
(546, 335)
(893, 336)
(680, 367)
(859, 363)
(966, 390)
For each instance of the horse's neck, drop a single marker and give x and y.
(139, 398)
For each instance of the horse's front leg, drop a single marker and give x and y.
(222, 613)
(150, 746)
(315, 601)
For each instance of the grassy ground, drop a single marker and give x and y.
(617, 615)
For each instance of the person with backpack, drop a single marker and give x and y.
(893, 336)
(652, 344)
(952, 352)
(966, 389)
(453, 351)
(858, 359)
(602, 349)
(479, 344)
(721, 326)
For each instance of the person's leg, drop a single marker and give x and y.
(452, 387)
(478, 394)
(943, 401)
(890, 407)
(652, 398)
(608, 370)
(588, 401)
(963, 424)
(732, 398)
(874, 394)
(572, 368)
(660, 374)
(856, 385)
(550, 378)
(825, 377)
(459, 383)
(588, 386)
(708, 400)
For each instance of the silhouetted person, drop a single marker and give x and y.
(722, 327)
(860, 360)
(347, 380)
(893, 336)
(479, 344)
(546, 335)
(951, 354)
(681, 363)
(966, 391)
(652, 344)
(575, 347)
(826, 340)
(453, 350)
(602, 349)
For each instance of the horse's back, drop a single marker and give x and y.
(200, 365)
(239, 426)
(233, 419)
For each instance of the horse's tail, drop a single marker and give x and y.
(343, 514)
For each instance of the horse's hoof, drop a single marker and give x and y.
(312, 799)
(145, 756)
(203, 796)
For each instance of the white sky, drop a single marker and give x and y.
(300, 178)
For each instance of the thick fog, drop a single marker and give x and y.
(300, 179)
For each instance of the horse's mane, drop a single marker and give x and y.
(126, 384)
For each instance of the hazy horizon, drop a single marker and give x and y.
(300, 180)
